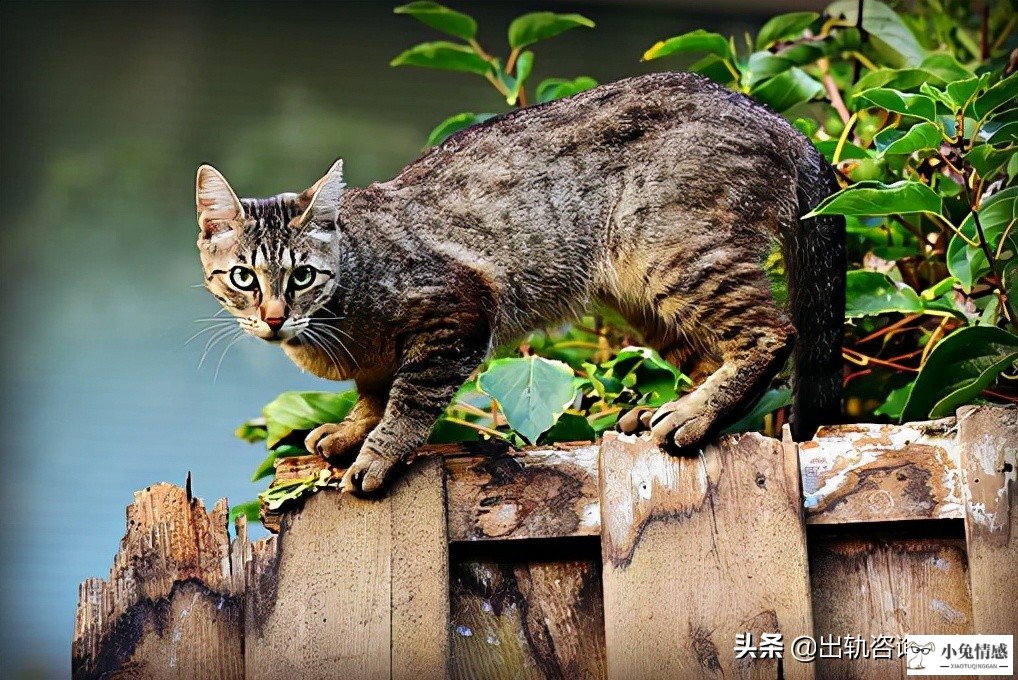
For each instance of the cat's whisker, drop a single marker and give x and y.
(322, 345)
(213, 341)
(328, 331)
(226, 349)
(217, 326)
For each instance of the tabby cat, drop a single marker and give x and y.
(660, 195)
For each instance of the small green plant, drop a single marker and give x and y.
(917, 114)
(509, 77)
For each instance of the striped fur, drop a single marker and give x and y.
(660, 195)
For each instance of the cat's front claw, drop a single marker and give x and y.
(368, 474)
(335, 441)
(680, 424)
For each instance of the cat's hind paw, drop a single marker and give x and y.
(368, 474)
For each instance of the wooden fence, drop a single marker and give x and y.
(579, 561)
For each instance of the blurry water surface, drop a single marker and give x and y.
(107, 111)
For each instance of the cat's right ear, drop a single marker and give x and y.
(219, 209)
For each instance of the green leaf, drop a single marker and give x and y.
(557, 88)
(802, 54)
(714, 67)
(959, 92)
(849, 151)
(787, 89)
(444, 56)
(1007, 133)
(524, 65)
(298, 411)
(887, 32)
(252, 431)
(531, 391)
(1003, 92)
(763, 65)
(694, 41)
(875, 198)
(919, 137)
(987, 160)
(441, 17)
(807, 126)
(644, 371)
(783, 27)
(895, 402)
(250, 510)
(960, 367)
(265, 468)
(869, 293)
(945, 67)
(448, 432)
(530, 28)
(453, 124)
(968, 263)
(570, 427)
(771, 401)
(906, 104)
(894, 79)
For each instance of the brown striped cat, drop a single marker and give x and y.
(660, 195)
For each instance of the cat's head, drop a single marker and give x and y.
(271, 262)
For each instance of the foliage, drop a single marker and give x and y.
(509, 77)
(915, 111)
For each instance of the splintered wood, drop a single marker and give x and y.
(172, 607)
(697, 550)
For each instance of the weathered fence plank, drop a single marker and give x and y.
(989, 454)
(880, 473)
(172, 607)
(697, 550)
(865, 588)
(420, 574)
(693, 551)
(326, 615)
(527, 619)
(536, 493)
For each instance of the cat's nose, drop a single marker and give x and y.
(275, 323)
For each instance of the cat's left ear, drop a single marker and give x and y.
(321, 201)
(219, 209)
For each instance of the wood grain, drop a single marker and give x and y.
(697, 550)
(892, 587)
(420, 574)
(172, 607)
(325, 614)
(988, 439)
(527, 619)
(879, 473)
(533, 493)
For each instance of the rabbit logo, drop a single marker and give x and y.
(916, 654)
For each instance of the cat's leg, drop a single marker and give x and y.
(337, 441)
(435, 364)
(753, 337)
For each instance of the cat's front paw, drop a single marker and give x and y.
(681, 424)
(335, 441)
(368, 474)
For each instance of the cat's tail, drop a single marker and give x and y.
(815, 270)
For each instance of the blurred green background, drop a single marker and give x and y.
(107, 109)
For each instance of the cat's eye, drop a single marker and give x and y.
(302, 277)
(243, 278)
